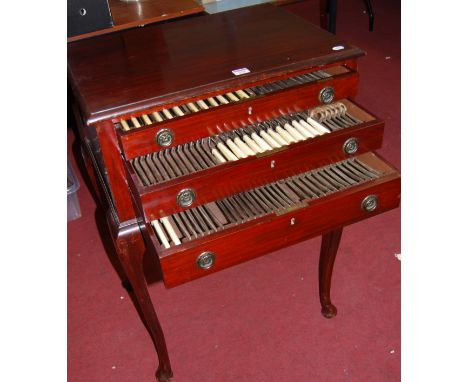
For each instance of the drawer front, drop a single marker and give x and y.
(234, 177)
(205, 123)
(248, 241)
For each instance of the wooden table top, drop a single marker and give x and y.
(144, 67)
(137, 13)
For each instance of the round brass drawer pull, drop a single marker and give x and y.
(327, 94)
(206, 260)
(164, 137)
(370, 203)
(186, 197)
(351, 146)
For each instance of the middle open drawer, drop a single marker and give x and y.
(198, 172)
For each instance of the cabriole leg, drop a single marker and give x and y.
(131, 249)
(330, 243)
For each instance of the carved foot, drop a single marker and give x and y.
(329, 311)
(163, 375)
(330, 243)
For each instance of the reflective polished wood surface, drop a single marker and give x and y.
(144, 67)
(129, 14)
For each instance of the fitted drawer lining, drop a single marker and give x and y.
(276, 198)
(204, 102)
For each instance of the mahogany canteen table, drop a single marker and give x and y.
(221, 138)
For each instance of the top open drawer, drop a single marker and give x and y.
(203, 115)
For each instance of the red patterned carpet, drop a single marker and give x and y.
(259, 321)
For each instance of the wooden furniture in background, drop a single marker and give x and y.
(138, 13)
(329, 10)
(221, 138)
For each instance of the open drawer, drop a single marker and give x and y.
(194, 118)
(199, 172)
(216, 235)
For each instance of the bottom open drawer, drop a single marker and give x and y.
(207, 238)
